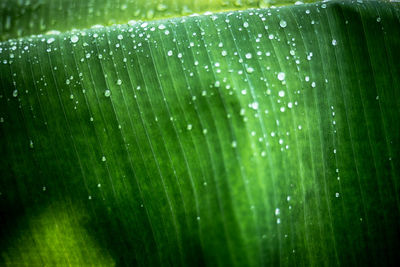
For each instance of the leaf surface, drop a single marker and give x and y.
(259, 137)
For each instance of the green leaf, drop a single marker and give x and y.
(26, 17)
(258, 137)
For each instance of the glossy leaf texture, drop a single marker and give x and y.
(263, 137)
(21, 18)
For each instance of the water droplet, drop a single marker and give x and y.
(245, 24)
(74, 38)
(107, 93)
(234, 144)
(119, 82)
(281, 93)
(281, 76)
(277, 211)
(309, 56)
(337, 194)
(254, 105)
(248, 55)
(120, 37)
(334, 42)
(169, 53)
(103, 158)
(15, 93)
(50, 40)
(283, 23)
(249, 70)
(271, 36)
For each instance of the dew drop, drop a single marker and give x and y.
(107, 93)
(50, 40)
(254, 105)
(249, 70)
(15, 93)
(120, 37)
(277, 211)
(234, 144)
(283, 23)
(281, 93)
(74, 38)
(281, 76)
